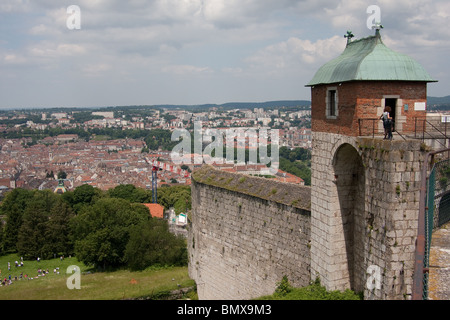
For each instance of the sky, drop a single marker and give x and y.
(143, 52)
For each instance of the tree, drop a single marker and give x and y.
(299, 169)
(1, 237)
(62, 175)
(130, 192)
(160, 138)
(32, 241)
(178, 197)
(101, 231)
(151, 243)
(57, 234)
(83, 195)
(13, 207)
(86, 194)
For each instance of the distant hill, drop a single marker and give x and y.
(268, 104)
(244, 105)
(439, 100)
(434, 103)
(438, 103)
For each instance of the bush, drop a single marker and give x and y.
(151, 243)
(283, 287)
(315, 291)
(101, 231)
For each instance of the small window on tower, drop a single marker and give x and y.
(332, 103)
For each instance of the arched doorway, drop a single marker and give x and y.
(350, 186)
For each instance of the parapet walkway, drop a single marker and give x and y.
(439, 277)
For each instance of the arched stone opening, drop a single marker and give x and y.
(349, 176)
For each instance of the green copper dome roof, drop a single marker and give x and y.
(370, 59)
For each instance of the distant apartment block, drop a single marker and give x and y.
(105, 114)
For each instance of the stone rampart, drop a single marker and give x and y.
(365, 205)
(246, 233)
(355, 228)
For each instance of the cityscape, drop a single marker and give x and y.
(224, 150)
(37, 145)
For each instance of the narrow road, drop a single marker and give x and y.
(439, 277)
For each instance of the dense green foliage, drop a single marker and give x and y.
(80, 117)
(177, 197)
(296, 162)
(101, 228)
(44, 231)
(315, 291)
(36, 224)
(13, 207)
(165, 249)
(101, 231)
(160, 138)
(131, 193)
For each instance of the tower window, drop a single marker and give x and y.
(332, 103)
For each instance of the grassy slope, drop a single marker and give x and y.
(121, 284)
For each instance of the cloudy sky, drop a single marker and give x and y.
(141, 52)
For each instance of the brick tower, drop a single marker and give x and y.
(365, 190)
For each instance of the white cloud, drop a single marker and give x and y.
(240, 46)
(55, 51)
(186, 70)
(296, 54)
(14, 6)
(13, 59)
(95, 70)
(237, 13)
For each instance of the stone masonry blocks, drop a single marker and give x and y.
(246, 233)
(388, 212)
(241, 246)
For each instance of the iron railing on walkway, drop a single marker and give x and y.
(434, 211)
(436, 128)
(374, 127)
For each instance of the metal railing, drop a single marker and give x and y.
(367, 127)
(419, 128)
(433, 212)
(374, 127)
(434, 129)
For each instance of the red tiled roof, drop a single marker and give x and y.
(156, 210)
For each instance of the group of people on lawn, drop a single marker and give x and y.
(4, 281)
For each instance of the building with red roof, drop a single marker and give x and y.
(156, 210)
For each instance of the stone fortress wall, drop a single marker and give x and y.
(365, 207)
(246, 233)
(357, 224)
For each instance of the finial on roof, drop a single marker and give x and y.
(377, 26)
(349, 36)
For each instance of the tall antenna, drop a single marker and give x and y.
(154, 184)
